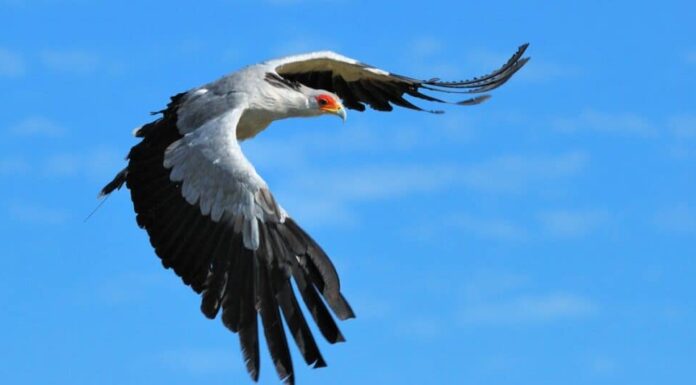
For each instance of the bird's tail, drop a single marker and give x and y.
(115, 184)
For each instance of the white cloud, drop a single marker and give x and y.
(71, 61)
(612, 123)
(11, 64)
(494, 298)
(34, 214)
(572, 223)
(37, 126)
(295, 150)
(338, 188)
(334, 191)
(529, 309)
(552, 224)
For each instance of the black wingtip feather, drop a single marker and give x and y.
(248, 326)
(270, 317)
(474, 101)
(239, 283)
(115, 184)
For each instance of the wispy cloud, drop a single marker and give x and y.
(572, 223)
(334, 191)
(494, 298)
(529, 309)
(11, 64)
(611, 123)
(549, 224)
(70, 61)
(34, 214)
(292, 151)
(37, 126)
(340, 188)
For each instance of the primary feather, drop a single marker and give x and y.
(213, 220)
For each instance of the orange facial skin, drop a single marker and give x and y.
(328, 103)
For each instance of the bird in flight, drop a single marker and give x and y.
(213, 220)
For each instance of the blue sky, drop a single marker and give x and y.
(544, 237)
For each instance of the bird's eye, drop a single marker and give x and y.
(323, 102)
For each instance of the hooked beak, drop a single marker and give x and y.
(342, 113)
(338, 110)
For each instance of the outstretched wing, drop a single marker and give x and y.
(359, 84)
(212, 219)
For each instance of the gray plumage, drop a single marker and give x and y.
(214, 221)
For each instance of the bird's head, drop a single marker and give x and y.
(327, 103)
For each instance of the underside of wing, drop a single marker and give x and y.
(223, 233)
(359, 84)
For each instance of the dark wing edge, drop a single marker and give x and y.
(382, 92)
(211, 257)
